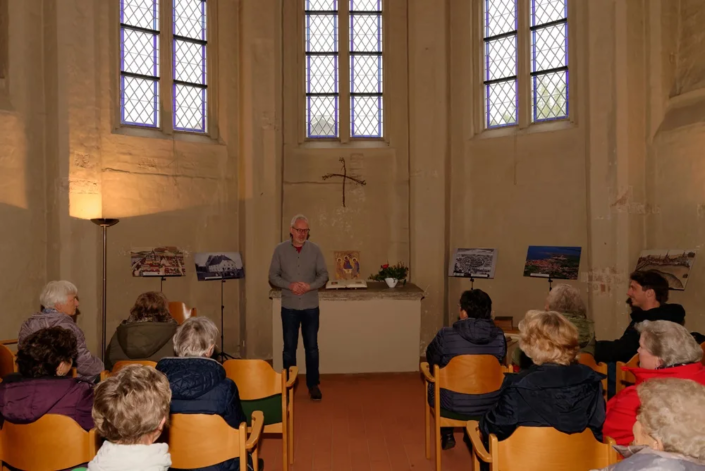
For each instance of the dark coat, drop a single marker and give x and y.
(199, 386)
(567, 398)
(466, 337)
(625, 347)
(141, 341)
(25, 400)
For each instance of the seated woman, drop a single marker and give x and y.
(42, 386)
(59, 300)
(198, 383)
(666, 350)
(567, 300)
(668, 432)
(146, 335)
(556, 391)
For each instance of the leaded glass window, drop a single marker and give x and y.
(500, 64)
(353, 108)
(322, 93)
(190, 86)
(366, 68)
(139, 62)
(549, 59)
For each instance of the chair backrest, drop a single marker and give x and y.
(589, 360)
(255, 379)
(626, 378)
(542, 448)
(702, 347)
(50, 443)
(7, 361)
(471, 374)
(180, 312)
(200, 440)
(123, 363)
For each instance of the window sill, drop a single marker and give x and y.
(159, 134)
(553, 126)
(333, 144)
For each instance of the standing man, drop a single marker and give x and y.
(298, 268)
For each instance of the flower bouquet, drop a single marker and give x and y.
(391, 274)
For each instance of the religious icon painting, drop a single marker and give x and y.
(347, 265)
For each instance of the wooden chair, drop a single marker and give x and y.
(702, 346)
(7, 358)
(201, 440)
(465, 374)
(625, 378)
(541, 448)
(257, 381)
(50, 443)
(122, 364)
(180, 312)
(589, 360)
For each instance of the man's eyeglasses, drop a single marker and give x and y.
(302, 231)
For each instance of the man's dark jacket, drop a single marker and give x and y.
(567, 398)
(624, 348)
(466, 337)
(199, 386)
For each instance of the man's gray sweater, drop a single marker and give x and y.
(289, 266)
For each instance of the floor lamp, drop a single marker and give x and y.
(104, 223)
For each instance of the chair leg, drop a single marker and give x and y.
(285, 448)
(291, 436)
(437, 428)
(427, 421)
(255, 458)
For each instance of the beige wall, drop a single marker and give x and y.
(621, 176)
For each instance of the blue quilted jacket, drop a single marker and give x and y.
(199, 386)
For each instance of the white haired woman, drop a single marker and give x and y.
(59, 300)
(669, 432)
(666, 350)
(198, 383)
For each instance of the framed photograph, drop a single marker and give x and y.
(475, 263)
(219, 266)
(560, 263)
(673, 264)
(157, 261)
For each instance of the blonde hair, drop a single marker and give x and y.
(195, 337)
(131, 404)
(672, 411)
(548, 337)
(670, 342)
(565, 298)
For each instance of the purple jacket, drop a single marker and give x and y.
(24, 400)
(87, 366)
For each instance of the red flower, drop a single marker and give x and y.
(386, 265)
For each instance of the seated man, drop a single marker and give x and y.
(60, 304)
(648, 293)
(473, 334)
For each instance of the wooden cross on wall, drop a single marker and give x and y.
(345, 177)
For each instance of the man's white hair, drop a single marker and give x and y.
(195, 337)
(57, 292)
(297, 217)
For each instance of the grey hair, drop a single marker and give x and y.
(567, 299)
(670, 342)
(195, 337)
(672, 411)
(57, 292)
(297, 217)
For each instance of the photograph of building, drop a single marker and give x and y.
(219, 266)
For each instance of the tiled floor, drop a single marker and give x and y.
(365, 422)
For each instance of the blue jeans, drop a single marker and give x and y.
(308, 320)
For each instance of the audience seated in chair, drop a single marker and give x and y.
(147, 334)
(60, 304)
(668, 432)
(130, 411)
(41, 386)
(556, 391)
(567, 300)
(666, 350)
(473, 334)
(648, 293)
(198, 383)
